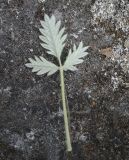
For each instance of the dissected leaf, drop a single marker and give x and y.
(42, 66)
(75, 57)
(53, 38)
(54, 41)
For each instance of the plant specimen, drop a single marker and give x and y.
(53, 40)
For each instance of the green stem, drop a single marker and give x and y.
(66, 121)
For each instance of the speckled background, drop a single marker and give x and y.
(31, 117)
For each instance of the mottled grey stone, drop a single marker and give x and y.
(31, 119)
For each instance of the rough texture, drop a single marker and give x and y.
(31, 125)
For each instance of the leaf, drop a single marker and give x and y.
(75, 57)
(53, 38)
(42, 66)
(107, 52)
